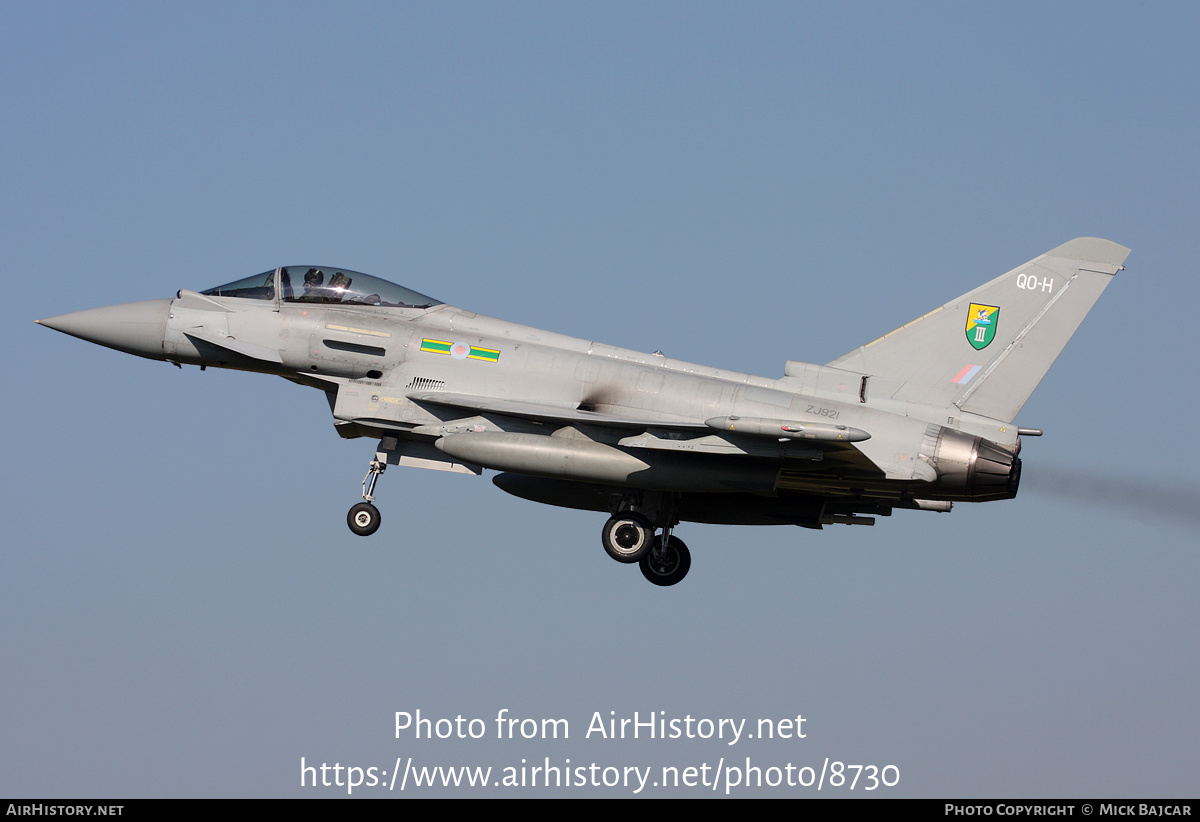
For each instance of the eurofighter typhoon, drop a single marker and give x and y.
(919, 419)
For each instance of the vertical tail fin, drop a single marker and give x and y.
(986, 351)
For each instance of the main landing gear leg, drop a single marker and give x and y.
(628, 536)
(364, 518)
(668, 560)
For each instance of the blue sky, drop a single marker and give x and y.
(184, 610)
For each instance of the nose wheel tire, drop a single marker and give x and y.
(364, 519)
(666, 566)
(627, 536)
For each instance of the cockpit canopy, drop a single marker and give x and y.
(321, 284)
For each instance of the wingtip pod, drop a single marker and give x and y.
(1092, 249)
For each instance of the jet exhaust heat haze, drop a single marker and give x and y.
(919, 419)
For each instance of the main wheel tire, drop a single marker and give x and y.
(666, 567)
(364, 519)
(627, 536)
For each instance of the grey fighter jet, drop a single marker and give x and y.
(918, 419)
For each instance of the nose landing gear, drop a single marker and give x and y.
(364, 518)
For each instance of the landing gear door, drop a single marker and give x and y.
(416, 454)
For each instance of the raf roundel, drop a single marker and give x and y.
(460, 351)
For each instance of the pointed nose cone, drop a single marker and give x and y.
(136, 328)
